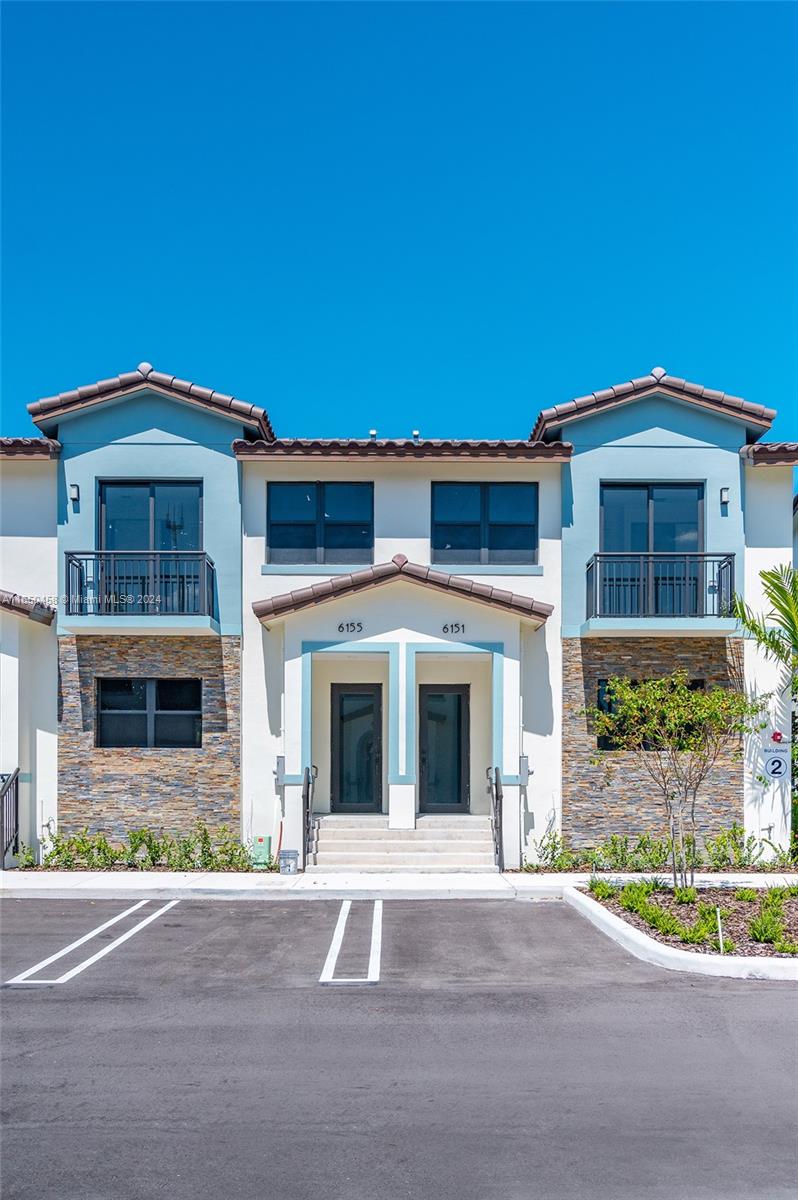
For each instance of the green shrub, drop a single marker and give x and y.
(766, 926)
(601, 889)
(651, 854)
(785, 947)
(749, 895)
(731, 848)
(553, 853)
(685, 895)
(146, 850)
(26, 858)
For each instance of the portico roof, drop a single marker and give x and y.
(400, 569)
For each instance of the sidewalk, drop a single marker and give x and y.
(410, 885)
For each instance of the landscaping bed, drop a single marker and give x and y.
(754, 922)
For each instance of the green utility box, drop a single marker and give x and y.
(261, 852)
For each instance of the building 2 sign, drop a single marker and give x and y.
(776, 762)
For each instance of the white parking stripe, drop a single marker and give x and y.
(328, 970)
(376, 943)
(375, 951)
(74, 945)
(100, 953)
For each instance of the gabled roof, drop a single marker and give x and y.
(50, 408)
(400, 569)
(28, 447)
(658, 382)
(24, 606)
(773, 454)
(338, 448)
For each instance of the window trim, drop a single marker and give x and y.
(150, 711)
(320, 550)
(485, 523)
(649, 486)
(151, 483)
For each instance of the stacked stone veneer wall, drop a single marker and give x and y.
(114, 790)
(630, 804)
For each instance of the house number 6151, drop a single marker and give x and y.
(454, 627)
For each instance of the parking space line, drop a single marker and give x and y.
(375, 953)
(100, 953)
(328, 970)
(74, 945)
(375, 949)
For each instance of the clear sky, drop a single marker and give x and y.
(433, 216)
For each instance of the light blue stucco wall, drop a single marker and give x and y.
(149, 436)
(656, 440)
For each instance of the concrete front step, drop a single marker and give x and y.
(403, 845)
(331, 835)
(372, 822)
(392, 868)
(408, 859)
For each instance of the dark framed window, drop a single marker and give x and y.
(604, 704)
(656, 518)
(161, 713)
(485, 523)
(154, 516)
(320, 522)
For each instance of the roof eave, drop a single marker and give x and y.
(346, 449)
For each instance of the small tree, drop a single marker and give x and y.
(678, 734)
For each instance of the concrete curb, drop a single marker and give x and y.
(660, 955)
(335, 885)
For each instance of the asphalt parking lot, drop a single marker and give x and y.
(360, 1051)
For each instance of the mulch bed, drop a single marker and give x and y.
(735, 926)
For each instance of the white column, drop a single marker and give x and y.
(511, 750)
(767, 806)
(401, 796)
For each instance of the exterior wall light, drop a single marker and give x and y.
(724, 495)
(74, 492)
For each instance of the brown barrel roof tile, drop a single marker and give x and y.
(50, 407)
(303, 448)
(29, 447)
(658, 380)
(399, 568)
(24, 606)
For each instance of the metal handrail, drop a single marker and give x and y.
(9, 812)
(309, 777)
(494, 777)
(128, 582)
(660, 584)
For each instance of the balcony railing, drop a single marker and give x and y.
(660, 585)
(174, 583)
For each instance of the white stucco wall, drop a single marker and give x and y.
(28, 650)
(768, 537)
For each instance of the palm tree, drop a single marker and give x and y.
(777, 631)
(777, 634)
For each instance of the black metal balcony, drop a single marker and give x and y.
(168, 583)
(660, 585)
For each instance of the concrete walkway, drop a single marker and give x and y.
(367, 885)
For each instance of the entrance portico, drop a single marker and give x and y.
(402, 697)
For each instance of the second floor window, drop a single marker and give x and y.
(321, 522)
(660, 518)
(485, 523)
(165, 516)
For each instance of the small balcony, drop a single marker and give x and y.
(126, 583)
(668, 586)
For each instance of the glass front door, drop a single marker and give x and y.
(443, 748)
(356, 776)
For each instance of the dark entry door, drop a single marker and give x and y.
(356, 775)
(443, 747)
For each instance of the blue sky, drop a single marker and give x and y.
(428, 216)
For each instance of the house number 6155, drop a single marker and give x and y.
(350, 627)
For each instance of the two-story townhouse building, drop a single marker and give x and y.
(149, 601)
(401, 643)
(381, 652)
